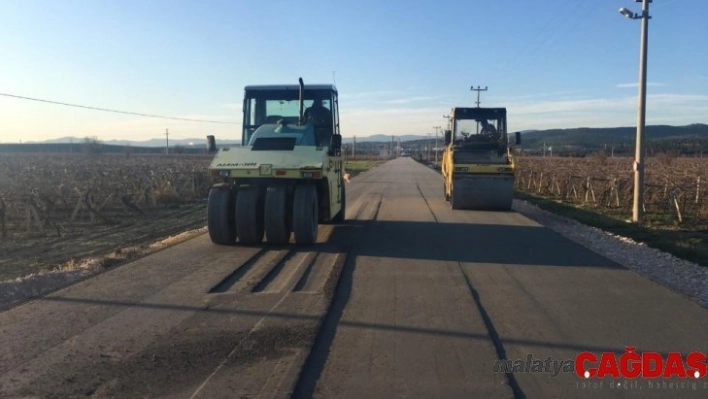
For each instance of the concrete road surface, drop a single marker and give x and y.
(407, 299)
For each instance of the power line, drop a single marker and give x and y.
(116, 111)
(547, 33)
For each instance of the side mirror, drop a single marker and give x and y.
(211, 144)
(336, 145)
(448, 137)
(518, 138)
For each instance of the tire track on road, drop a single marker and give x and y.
(489, 324)
(317, 358)
(427, 203)
(493, 334)
(299, 276)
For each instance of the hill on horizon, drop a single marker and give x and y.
(658, 138)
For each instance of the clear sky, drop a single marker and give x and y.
(399, 65)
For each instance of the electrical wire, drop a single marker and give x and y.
(550, 28)
(116, 111)
(566, 28)
(663, 4)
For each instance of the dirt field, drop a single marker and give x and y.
(66, 217)
(62, 208)
(29, 255)
(35, 266)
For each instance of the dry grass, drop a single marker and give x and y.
(354, 168)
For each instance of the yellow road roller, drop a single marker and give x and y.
(478, 166)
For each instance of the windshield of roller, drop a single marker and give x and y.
(484, 128)
(267, 107)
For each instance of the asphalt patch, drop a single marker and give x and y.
(173, 363)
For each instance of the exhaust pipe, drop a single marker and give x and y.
(302, 103)
(211, 144)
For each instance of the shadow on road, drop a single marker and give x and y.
(470, 243)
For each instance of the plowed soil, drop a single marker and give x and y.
(31, 265)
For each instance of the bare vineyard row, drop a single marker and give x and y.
(674, 187)
(51, 194)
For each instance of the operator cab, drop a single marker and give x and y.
(479, 127)
(277, 114)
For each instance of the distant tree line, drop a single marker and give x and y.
(690, 140)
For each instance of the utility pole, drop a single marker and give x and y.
(449, 124)
(436, 143)
(478, 89)
(639, 154)
(392, 156)
(429, 134)
(354, 148)
(638, 206)
(167, 141)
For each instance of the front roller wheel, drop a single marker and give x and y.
(249, 215)
(277, 225)
(220, 216)
(454, 204)
(305, 214)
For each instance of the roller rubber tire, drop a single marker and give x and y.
(220, 216)
(305, 214)
(250, 215)
(277, 226)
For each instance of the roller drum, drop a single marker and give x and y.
(482, 192)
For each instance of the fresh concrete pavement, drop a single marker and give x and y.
(407, 299)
